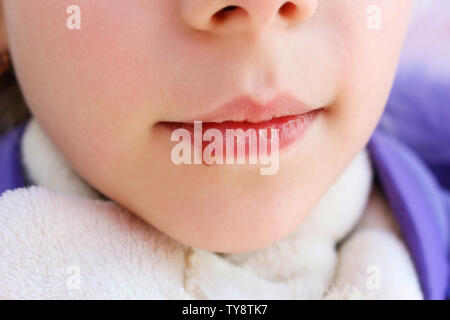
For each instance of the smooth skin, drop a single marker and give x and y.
(100, 92)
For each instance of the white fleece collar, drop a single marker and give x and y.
(298, 267)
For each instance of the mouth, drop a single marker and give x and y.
(289, 117)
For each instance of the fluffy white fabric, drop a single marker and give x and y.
(58, 241)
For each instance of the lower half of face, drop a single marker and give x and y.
(111, 93)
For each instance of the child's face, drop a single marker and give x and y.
(100, 92)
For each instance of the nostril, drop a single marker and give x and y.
(229, 8)
(288, 10)
(227, 13)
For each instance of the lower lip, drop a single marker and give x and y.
(291, 128)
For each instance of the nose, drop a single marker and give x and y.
(230, 16)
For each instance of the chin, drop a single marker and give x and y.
(245, 227)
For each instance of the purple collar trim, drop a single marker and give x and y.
(11, 173)
(416, 199)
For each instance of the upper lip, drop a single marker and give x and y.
(247, 109)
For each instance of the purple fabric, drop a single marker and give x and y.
(415, 197)
(418, 116)
(11, 176)
(418, 111)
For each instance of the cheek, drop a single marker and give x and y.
(369, 59)
(370, 37)
(107, 55)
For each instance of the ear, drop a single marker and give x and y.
(3, 35)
